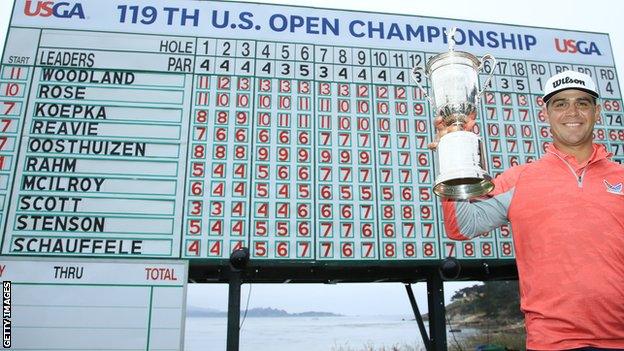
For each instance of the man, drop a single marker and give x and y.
(567, 215)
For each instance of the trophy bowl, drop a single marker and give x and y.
(455, 96)
(454, 84)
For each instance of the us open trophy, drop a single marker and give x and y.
(453, 78)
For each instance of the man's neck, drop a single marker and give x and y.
(581, 153)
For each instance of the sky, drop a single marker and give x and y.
(601, 16)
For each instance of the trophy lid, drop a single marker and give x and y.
(451, 57)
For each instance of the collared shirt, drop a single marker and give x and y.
(599, 152)
(568, 229)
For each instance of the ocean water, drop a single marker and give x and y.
(310, 334)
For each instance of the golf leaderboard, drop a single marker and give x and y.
(190, 129)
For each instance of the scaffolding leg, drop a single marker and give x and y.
(234, 296)
(419, 319)
(437, 312)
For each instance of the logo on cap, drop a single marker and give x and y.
(568, 80)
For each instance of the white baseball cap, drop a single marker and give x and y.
(569, 80)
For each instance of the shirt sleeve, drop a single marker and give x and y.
(466, 219)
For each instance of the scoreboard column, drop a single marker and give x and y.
(345, 155)
(509, 133)
(612, 116)
(428, 228)
(220, 154)
(15, 81)
(355, 191)
(538, 73)
(282, 204)
(100, 168)
(405, 165)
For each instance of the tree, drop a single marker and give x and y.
(498, 300)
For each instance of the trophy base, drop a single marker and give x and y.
(462, 167)
(463, 188)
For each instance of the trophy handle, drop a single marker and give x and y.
(414, 71)
(486, 57)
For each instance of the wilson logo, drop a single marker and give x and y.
(568, 80)
(576, 47)
(51, 8)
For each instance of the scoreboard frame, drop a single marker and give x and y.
(291, 130)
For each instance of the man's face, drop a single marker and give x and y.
(571, 115)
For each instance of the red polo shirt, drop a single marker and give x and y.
(568, 229)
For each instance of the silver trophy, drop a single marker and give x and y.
(454, 82)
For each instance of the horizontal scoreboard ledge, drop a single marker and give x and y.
(254, 272)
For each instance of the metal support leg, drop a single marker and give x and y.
(437, 312)
(238, 261)
(418, 316)
(234, 296)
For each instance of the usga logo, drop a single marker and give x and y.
(50, 8)
(573, 47)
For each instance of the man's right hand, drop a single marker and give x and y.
(442, 129)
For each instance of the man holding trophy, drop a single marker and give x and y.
(566, 209)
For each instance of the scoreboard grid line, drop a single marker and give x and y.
(190, 137)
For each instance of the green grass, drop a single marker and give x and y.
(371, 347)
(511, 340)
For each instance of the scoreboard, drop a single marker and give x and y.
(130, 304)
(188, 129)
